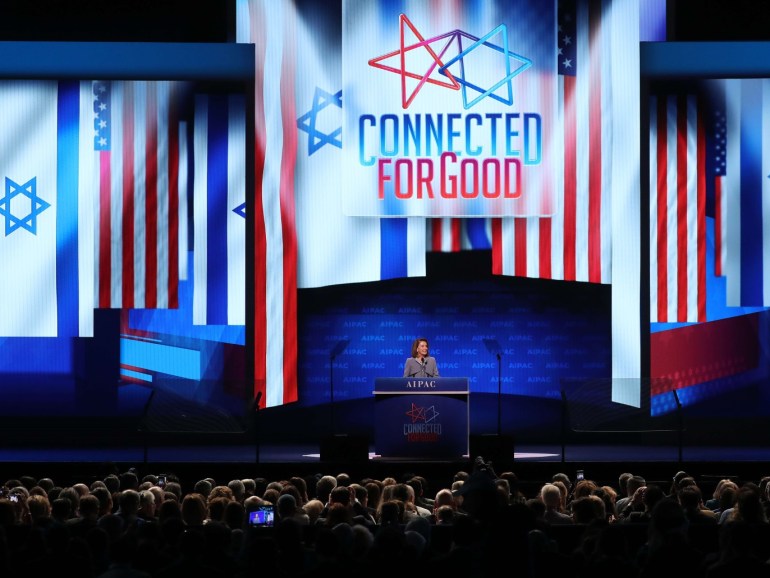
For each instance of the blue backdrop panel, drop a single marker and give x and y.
(546, 332)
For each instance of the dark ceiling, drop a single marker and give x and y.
(213, 20)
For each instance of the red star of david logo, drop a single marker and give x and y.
(436, 62)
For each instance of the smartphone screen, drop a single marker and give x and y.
(580, 476)
(262, 516)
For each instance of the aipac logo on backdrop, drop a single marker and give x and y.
(438, 62)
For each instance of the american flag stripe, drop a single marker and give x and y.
(138, 194)
(168, 251)
(677, 209)
(151, 202)
(573, 244)
(719, 224)
(445, 235)
(182, 204)
(597, 177)
(249, 31)
(568, 217)
(124, 204)
(288, 350)
(449, 235)
(718, 157)
(275, 266)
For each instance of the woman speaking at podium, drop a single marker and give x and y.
(420, 364)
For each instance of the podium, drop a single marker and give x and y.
(421, 418)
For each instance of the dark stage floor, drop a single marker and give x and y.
(532, 464)
(310, 454)
(287, 441)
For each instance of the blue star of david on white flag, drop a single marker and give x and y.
(46, 209)
(20, 214)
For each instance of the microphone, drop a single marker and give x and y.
(425, 367)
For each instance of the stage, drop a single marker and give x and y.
(275, 454)
(196, 442)
(533, 465)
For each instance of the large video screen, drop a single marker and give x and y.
(104, 292)
(708, 259)
(412, 127)
(243, 220)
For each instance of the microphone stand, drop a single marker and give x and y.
(255, 408)
(145, 436)
(680, 426)
(494, 347)
(499, 393)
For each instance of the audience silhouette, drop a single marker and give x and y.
(475, 523)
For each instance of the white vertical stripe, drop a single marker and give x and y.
(509, 252)
(140, 190)
(200, 211)
(271, 196)
(653, 182)
(243, 22)
(415, 246)
(765, 193)
(116, 195)
(88, 187)
(621, 18)
(236, 224)
(691, 238)
(732, 234)
(183, 208)
(163, 89)
(446, 234)
(582, 98)
(533, 247)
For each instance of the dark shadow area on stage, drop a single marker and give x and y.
(289, 433)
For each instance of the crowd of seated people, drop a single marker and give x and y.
(478, 523)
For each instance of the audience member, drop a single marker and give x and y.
(474, 522)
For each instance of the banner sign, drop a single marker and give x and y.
(449, 108)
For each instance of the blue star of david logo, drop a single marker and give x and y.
(307, 122)
(507, 56)
(240, 210)
(36, 206)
